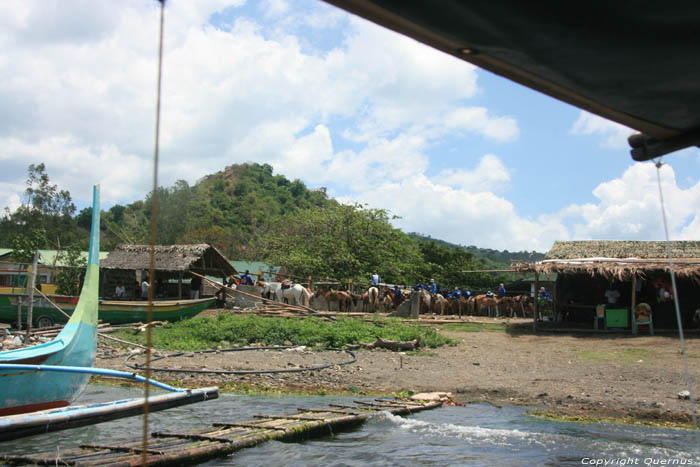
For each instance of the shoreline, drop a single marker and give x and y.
(567, 376)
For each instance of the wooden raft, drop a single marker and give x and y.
(223, 437)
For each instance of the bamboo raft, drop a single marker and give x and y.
(224, 437)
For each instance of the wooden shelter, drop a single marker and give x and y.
(129, 263)
(638, 270)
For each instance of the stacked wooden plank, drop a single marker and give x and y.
(223, 437)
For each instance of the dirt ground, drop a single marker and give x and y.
(599, 375)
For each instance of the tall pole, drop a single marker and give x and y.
(32, 282)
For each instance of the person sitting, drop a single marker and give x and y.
(374, 279)
(501, 290)
(612, 295)
(466, 293)
(432, 287)
(397, 292)
(120, 291)
(246, 279)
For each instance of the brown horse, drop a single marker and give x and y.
(487, 302)
(344, 299)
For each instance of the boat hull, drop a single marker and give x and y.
(115, 312)
(28, 391)
(75, 345)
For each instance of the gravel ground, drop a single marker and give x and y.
(599, 375)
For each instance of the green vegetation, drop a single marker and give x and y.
(551, 415)
(206, 333)
(622, 356)
(475, 327)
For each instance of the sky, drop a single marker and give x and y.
(454, 151)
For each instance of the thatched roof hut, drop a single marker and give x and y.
(128, 262)
(618, 259)
(639, 270)
(201, 258)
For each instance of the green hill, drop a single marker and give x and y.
(250, 213)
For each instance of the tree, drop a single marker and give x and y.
(44, 197)
(68, 278)
(340, 242)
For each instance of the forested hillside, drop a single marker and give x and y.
(250, 213)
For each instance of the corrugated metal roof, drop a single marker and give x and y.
(269, 272)
(50, 257)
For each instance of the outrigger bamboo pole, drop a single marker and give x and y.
(264, 300)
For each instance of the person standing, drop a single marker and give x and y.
(144, 289)
(195, 285)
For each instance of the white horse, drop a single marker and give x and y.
(299, 293)
(373, 294)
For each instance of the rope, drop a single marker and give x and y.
(684, 352)
(154, 215)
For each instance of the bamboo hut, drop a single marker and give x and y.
(130, 263)
(638, 270)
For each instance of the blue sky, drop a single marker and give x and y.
(458, 153)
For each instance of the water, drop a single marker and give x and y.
(478, 434)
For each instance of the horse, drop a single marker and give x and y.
(298, 292)
(344, 299)
(488, 302)
(439, 304)
(388, 303)
(425, 300)
(373, 295)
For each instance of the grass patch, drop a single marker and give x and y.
(623, 356)
(474, 327)
(551, 415)
(226, 329)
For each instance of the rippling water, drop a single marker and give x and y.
(477, 435)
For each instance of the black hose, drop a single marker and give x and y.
(239, 372)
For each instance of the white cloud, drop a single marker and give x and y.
(614, 135)
(490, 175)
(460, 216)
(628, 208)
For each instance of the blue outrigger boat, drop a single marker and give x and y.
(76, 345)
(35, 382)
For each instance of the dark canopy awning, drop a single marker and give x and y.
(633, 62)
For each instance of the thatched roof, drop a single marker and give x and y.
(618, 259)
(202, 258)
(622, 249)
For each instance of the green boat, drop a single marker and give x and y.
(109, 311)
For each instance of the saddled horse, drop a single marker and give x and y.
(489, 303)
(373, 296)
(344, 299)
(297, 292)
